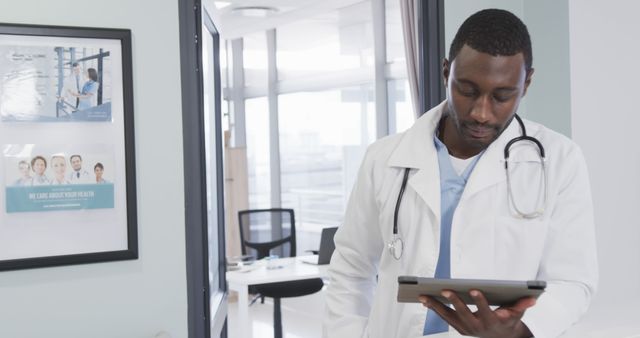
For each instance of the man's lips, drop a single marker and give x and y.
(480, 132)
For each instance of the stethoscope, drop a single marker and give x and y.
(396, 244)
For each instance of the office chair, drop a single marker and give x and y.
(265, 232)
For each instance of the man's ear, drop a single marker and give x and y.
(446, 69)
(527, 81)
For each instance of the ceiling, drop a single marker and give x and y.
(233, 25)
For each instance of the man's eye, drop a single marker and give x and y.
(467, 93)
(501, 98)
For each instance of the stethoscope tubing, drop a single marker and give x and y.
(393, 244)
(402, 187)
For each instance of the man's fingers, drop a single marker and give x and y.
(523, 304)
(449, 315)
(516, 310)
(467, 317)
(485, 314)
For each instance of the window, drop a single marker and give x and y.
(224, 81)
(342, 39)
(321, 147)
(326, 108)
(393, 27)
(400, 105)
(257, 122)
(255, 60)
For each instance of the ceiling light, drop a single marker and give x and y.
(254, 11)
(221, 4)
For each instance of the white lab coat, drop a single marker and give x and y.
(487, 241)
(85, 177)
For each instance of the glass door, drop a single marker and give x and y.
(203, 173)
(212, 120)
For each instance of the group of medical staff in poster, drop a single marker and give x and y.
(33, 173)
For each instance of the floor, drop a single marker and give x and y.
(301, 317)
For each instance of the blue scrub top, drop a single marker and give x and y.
(90, 87)
(451, 188)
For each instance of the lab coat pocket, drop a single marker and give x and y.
(519, 246)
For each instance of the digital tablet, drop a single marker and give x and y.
(497, 292)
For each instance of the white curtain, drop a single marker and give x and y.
(408, 11)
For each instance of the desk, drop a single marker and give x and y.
(240, 280)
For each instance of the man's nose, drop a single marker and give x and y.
(481, 111)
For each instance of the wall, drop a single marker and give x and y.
(132, 298)
(547, 100)
(604, 73)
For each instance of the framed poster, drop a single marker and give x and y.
(67, 162)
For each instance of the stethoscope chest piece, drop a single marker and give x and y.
(396, 247)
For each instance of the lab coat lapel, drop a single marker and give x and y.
(490, 168)
(416, 150)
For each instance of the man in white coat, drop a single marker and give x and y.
(461, 215)
(78, 175)
(72, 86)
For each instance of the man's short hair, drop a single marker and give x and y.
(75, 64)
(98, 165)
(496, 32)
(72, 156)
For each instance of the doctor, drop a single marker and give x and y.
(78, 175)
(460, 214)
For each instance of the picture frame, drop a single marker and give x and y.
(67, 169)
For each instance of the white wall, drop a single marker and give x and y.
(605, 122)
(548, 98)
(129, 298)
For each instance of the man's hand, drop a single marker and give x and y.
(503, 322)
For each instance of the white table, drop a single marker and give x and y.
(240, 280)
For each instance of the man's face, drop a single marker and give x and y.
(76, 70)
(76, 163)
(483, 92)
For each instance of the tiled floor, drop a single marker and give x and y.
(301, 317)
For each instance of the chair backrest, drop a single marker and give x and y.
(265, 232)
(327, 245)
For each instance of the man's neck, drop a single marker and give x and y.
(448, 134)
